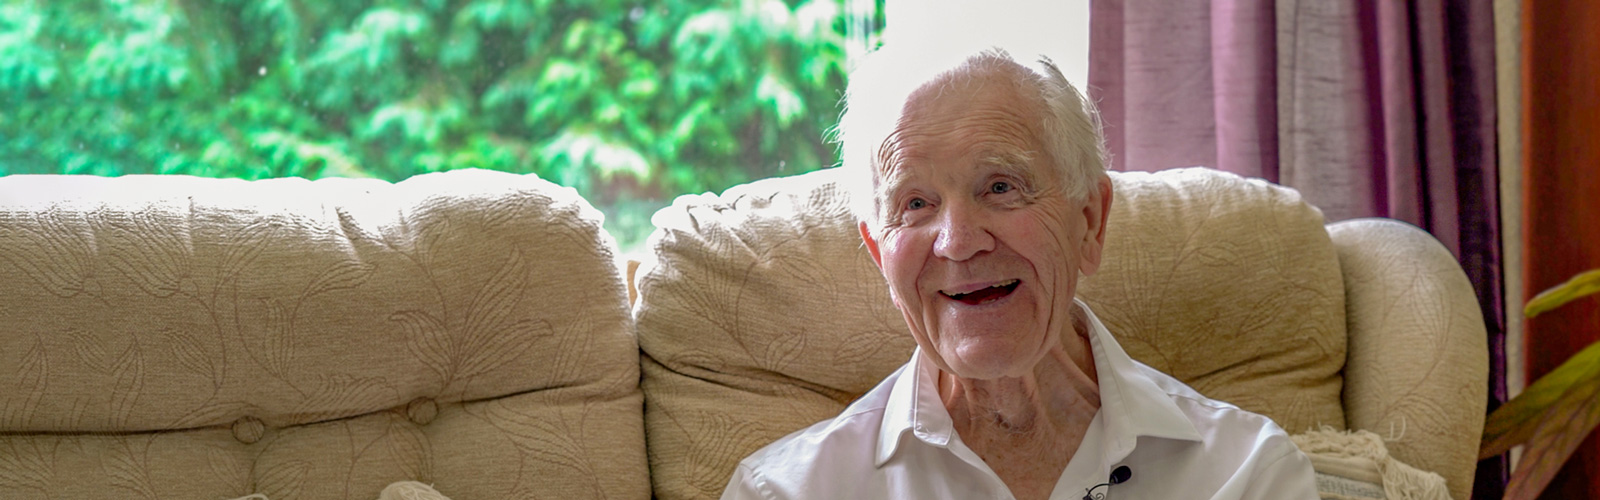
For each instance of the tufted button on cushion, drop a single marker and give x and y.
(422, 410)
(248, 430)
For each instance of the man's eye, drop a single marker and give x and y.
(916, 204)
(1000, 187)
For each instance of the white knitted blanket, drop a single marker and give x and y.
(1355, 465)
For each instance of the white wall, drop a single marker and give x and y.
(1058, 29)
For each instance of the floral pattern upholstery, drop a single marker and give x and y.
(173, 337)
(760, 313)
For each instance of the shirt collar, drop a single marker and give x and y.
(914, 406)
(1131, 404)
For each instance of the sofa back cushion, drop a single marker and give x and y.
(178, 337)
(761, 313)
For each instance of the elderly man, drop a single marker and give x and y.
(984, 198)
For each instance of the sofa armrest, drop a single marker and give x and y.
(1417, 368)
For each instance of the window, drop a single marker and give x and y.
(629, 102)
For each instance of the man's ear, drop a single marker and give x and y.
(1096, 210)
(872, 245)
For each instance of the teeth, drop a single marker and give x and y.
(1003, 284)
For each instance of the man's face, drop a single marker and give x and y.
(979, 242)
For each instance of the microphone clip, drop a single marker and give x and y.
(1119, 475)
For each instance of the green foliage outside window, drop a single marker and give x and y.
(630, 102)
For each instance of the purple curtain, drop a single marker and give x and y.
(1370, 108)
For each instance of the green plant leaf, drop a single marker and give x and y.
(786, 104)
(1563, 428)
(1584, 284)
(669, 96)
(1516, 421)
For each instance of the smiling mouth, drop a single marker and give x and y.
(985, 295)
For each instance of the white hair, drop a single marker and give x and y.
(877, 94)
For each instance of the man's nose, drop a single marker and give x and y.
(963, 233)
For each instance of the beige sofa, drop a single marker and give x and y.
(194, 338)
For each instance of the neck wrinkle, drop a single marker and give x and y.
(1057, 400)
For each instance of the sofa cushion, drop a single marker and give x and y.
(1231, 285)
(180, 337)
(760, 313)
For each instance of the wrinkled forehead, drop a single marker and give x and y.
(994, 84)
(895, 87)
(986, 115)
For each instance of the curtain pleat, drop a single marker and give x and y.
(1369, 108)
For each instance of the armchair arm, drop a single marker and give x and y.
(1417, 368)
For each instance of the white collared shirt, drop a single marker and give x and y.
(898, 441)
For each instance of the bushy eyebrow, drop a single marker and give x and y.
(1011, 162)
(890, 183)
